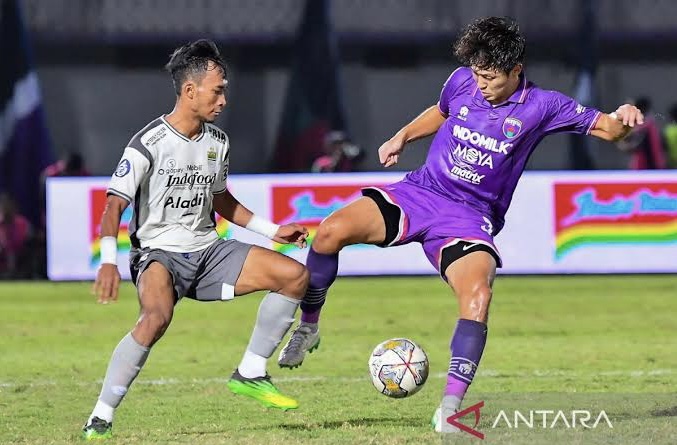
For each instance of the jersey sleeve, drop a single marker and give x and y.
(454, 81)
(129, 174)
(220, 183)
(565, 115)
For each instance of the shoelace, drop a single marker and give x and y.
(265, 378)
(296, 342)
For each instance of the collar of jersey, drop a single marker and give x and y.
(176, 132)
(517, 97)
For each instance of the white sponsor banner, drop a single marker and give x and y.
(592, 222)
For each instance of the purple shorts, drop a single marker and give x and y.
(413, 213)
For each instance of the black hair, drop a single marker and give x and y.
(491, 43)
(643, 103)
(192, 60)
(673, 112)
(74, 162)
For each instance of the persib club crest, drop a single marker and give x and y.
(511, 127)
(211, 154)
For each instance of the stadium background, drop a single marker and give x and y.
(393, 55)
(591, 342)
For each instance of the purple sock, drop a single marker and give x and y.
(467, 346)
(323, 270)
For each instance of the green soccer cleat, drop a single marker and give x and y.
(261, 389)
(97, 429)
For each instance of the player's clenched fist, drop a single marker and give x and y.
(292, 234)
(389, 152)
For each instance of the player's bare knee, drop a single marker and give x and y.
(475, 303)
(297, 281)
(154, 322)
(329, 238)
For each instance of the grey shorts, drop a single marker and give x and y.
(206, 275)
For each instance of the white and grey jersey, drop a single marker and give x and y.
(170, 179)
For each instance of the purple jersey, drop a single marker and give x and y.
(480, 151)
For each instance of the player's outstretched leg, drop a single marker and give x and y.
(471, 278)
(156, 297)
(359, 222)
(287, 281)
(306, 337)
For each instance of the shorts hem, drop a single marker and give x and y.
(396, 225)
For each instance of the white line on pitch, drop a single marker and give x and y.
(488, 373)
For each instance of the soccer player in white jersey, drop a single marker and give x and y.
(174, 172)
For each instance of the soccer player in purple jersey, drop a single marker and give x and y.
(488, 121)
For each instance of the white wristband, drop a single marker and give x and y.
(262, 226)
(109, 250)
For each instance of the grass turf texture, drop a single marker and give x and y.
(557, 343)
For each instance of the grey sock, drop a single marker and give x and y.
(125, 364)
(275, 317)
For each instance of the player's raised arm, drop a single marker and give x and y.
(226, 205)
(423, 125)
(615, 126)
(563, 114)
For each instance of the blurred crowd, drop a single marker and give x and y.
(653, 145)
(339, 154)
(23, 245)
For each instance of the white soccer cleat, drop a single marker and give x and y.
(302, 340)
(442, 413)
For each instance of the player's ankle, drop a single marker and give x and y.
(313, 326)
(252, 365)
(103, 411)
(452, 401)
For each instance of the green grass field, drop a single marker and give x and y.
(571, 343)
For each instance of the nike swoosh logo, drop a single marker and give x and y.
(466, 247)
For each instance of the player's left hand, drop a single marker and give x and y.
(292, 234)
(629, 115)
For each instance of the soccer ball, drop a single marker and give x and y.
(398, 367)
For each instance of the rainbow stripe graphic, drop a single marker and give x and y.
(614, 213)
(223, 227)
(309, 205)
(124, 244)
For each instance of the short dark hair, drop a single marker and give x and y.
(673, 112)
(493, 43)
(192, 60)
(643, 103)
(74, 161)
